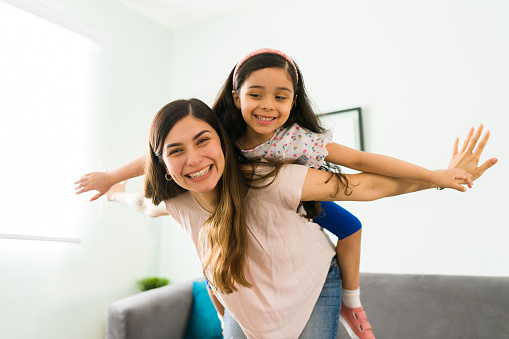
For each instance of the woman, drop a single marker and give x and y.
(273, 270)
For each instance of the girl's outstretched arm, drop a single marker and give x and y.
(463, 168)
(392, 167)
(103, 181)
(136, 200)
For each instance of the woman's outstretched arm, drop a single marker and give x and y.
(322, 186)
(103, 181)
(136, 200)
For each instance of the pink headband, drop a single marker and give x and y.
(260, 51)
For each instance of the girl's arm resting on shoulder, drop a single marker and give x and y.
(136, 200)
(388, 166)
(103, 181)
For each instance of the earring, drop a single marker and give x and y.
(166, 177)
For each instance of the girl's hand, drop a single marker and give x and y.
(117, 188)
(450, 178)
(98, 181)
(468, 158)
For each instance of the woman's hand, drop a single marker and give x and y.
(98, 181)
(468, 158)
(102, 181)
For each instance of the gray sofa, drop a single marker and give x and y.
(398, 306)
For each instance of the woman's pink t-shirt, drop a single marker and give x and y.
(287, 261)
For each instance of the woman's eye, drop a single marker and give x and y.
(202, 140)
(174, 151)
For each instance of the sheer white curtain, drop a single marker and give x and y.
(49, 69)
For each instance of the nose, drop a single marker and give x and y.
(193, 157)
(268, 104)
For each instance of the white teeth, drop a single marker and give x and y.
(264, 119)
(200, 173)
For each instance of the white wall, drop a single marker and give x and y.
(423, 72)
(52, 290)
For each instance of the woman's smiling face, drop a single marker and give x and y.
(193, 156)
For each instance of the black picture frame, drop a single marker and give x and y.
(346, 127)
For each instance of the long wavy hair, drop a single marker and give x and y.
(224, 235)
(302, 112)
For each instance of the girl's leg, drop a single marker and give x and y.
(349, 258)
(348, 229)
(232, 329)
(324, 320)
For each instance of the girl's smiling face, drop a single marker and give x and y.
(265, 100)
(193, 156)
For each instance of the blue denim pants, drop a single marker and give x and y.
(324, 320)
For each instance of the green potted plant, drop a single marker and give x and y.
(149, 283)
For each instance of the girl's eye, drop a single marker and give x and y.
(280, 97)
(255, 95)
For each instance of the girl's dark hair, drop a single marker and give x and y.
(225, 231)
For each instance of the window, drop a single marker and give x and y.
(49, 68)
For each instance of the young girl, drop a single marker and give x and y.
(264, 107)
(266, 263)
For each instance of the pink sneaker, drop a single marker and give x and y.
(356, 323)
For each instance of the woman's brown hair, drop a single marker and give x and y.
(225, 232)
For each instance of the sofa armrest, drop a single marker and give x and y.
(161, 313)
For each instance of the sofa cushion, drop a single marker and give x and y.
(402, 306)
(203, 322)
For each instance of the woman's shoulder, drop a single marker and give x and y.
(263, 165)
(269, 174)
(282, 186)
(183, 200)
